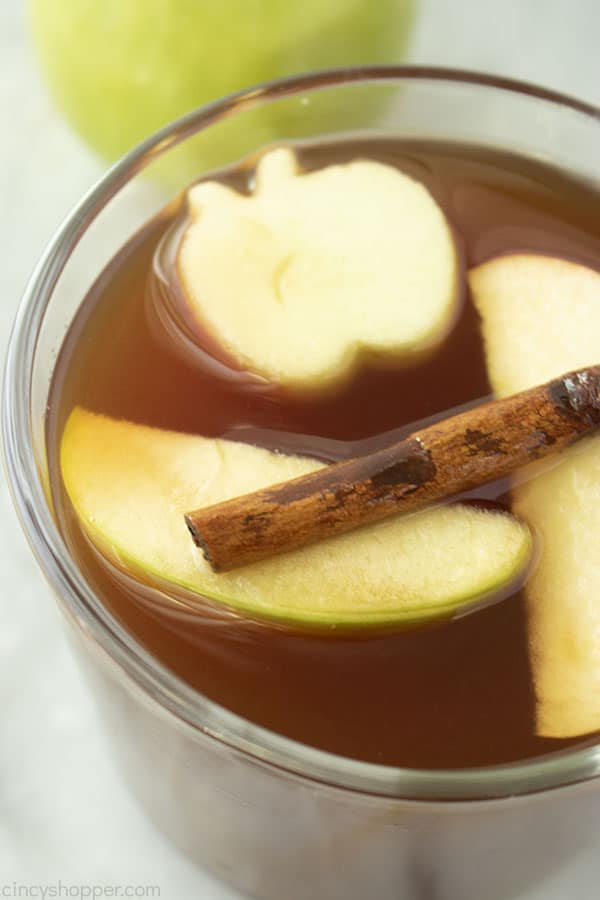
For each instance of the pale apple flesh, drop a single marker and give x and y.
(311, 271)
(540, 319)
(131, 484)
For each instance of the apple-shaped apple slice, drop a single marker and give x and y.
(312, 270)
(131, 484)
(541, 318)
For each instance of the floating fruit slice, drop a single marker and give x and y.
(130, 486)
(541, 318)
(313, 270)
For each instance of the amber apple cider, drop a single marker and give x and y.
(449, 694)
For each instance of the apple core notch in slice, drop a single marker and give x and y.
(312, 270)
(540, 319)
(131, 484)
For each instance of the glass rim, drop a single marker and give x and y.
(149, 674)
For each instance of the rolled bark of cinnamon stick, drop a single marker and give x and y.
(455, 455)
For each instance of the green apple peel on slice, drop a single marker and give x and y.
(130, 486)
(313, 270)
(541, 318)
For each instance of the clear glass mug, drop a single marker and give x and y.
(269, 815)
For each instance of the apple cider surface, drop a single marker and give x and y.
(448, 692)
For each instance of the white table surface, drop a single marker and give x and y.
(64, 816)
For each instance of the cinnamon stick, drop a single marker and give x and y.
(457, 454)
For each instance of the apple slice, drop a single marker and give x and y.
(312, 270)
(541, 318)
(130, 486)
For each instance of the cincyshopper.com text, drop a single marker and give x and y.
(60, 889)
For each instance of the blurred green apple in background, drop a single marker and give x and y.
(120, 69)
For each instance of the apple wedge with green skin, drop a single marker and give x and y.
(130, 486)
(541, 318)
(311, 271)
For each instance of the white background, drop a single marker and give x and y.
(63, 812)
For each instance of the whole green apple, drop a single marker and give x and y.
(120, 69)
